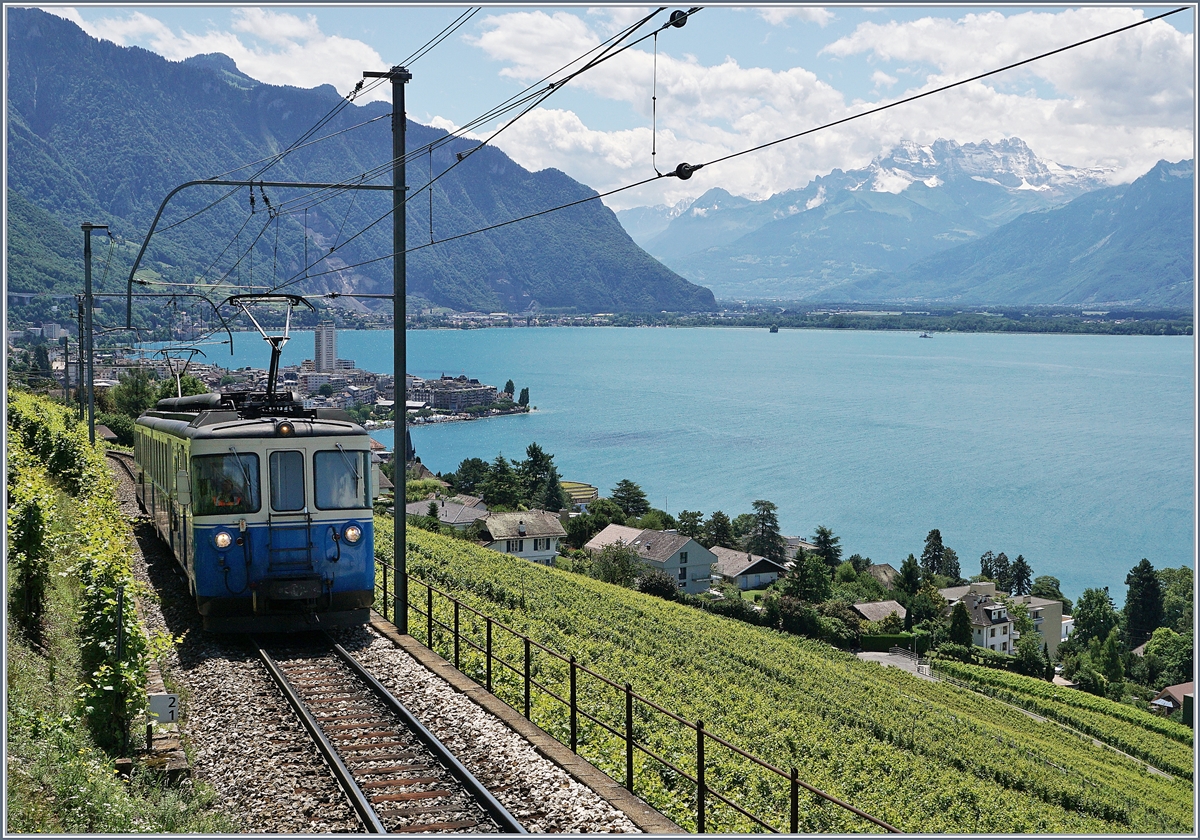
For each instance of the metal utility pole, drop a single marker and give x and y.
(398, 76)
(87, 228)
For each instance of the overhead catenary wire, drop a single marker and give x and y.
(943, 88)
(533, 93)
(692, 168)
(607, 53)
(270, 161)
(360, 88)
(450, 29)
(303, 145)
(654, 111)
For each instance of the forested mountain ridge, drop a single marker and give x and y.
(102, 133)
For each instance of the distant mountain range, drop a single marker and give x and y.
(102, 133)
(1129, 245)
(978, 223)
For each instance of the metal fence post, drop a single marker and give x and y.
(119, 664)
(795, 801)
(527, 665)
(429, 614)
(574, 712)
(488, 657)
(385, 592)
(629, 737)
(456, 665)
(699, 777)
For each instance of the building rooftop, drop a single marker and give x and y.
(449, 512)
(731, 563)
(986, 612)
(649, 544)
(611, 534)
(879, 610)
(522, 524)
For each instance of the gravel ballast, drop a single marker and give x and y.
(244, 740)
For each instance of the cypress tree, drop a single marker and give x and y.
(1021, 576)
(931, 557)
(765, 539)
(1143, 603)
(960, 625)
(1003, 576)
(828, 547)
(987, 565)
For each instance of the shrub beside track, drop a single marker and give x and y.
(48, 448)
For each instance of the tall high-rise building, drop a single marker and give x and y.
(325, 347)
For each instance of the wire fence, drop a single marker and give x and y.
(589, 710)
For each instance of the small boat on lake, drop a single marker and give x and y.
(774, 328)
(924, 335)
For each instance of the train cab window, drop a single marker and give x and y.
(225, 484)
(343, 479)
(287, 480)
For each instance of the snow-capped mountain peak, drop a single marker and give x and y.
(1008, 162)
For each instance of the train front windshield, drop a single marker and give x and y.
(343, 479)
(225, 484)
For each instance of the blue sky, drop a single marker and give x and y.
(732, 78)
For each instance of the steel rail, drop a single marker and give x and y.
(358, 799)
(507, 822)
(124, 459)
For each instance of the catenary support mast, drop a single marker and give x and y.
(398, 77)
(87, 228)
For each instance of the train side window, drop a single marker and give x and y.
(287, 480)
(225, 484)
(343, 479)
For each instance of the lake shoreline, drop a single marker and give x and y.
(1034, 446)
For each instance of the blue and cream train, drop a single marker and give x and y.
(267, 507)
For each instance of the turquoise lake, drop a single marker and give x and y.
(1075, 451)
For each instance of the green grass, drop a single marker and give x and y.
(1165, 744)
(926, 757)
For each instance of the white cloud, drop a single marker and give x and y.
(776, 15)
(1123, 103)
(534, 43)
(704, 112)
(272, 47)
(881, 79)
(1143, 75)
(275, 27)
(709, 111)
(620, 17)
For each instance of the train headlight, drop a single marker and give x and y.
(285, 428)
(352, 534)
(223, 539)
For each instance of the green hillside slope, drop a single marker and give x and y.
(1163, 743)
(924, 756)
(98, 132)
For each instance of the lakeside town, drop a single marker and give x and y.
(323, 381)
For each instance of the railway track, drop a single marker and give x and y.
(396, 774)
(125, 459)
